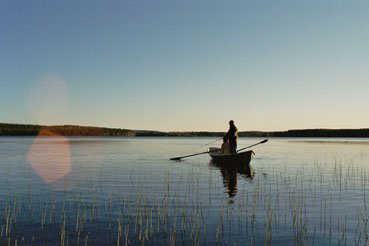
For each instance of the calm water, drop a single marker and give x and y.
(126, 191)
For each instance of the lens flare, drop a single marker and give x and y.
(50, 156)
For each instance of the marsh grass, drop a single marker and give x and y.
(326, 204)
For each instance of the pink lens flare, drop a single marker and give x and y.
(50, 156)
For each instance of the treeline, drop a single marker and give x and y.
(178, 134)
(63, 130)
(72, 130)
(324, 133)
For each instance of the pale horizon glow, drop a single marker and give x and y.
(185, 65)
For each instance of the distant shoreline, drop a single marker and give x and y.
(9, 129)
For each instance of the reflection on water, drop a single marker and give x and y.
(126, 191)
(230, 172)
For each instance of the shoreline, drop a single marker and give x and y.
(9, 129)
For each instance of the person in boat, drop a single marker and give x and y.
(232, 136)
(224, 149)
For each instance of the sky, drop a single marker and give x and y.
(185, 65)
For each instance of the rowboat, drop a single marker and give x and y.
(216, 155)
(241, 158)
(230, 165)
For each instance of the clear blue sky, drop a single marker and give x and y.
(185, 65)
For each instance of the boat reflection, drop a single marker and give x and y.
(230, 172)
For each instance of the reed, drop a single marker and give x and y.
(300, 203)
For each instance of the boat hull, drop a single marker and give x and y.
(242, 158)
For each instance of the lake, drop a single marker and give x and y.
(126, 191)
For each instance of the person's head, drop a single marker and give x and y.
(231, 123)
(225, 139)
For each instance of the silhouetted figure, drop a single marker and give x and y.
(232, 136)
(225, 149)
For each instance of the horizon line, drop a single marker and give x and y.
(175, 131)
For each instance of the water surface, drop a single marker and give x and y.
(114, 191)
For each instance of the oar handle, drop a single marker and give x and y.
(264, 141)
(181, 157)
(178, 158)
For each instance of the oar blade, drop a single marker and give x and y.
(264, 141)
(176, 158)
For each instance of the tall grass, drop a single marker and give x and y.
(323, 204)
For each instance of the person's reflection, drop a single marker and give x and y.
(229, 173)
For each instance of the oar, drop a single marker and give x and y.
(181, 157)
(209, 143)
(264, 141)
(207, 152)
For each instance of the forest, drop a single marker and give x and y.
(7, 129)
(63, 130)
